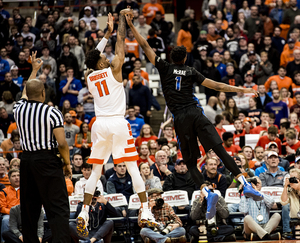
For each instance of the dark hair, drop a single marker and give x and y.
(168, 125)
(162, 141)
(219, 118)
(93, 21)
(75, 155)
(86, 166)
(264, 12)
(227, 135)
(185, 25)
(137, 59)
(272, 115)
(81, 127)
(92, 59)
(151, 32)
(12, 171)
(178, 54)
(273, 130)
(295, 73)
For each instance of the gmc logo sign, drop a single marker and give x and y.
(233, 194)
(115, 198)
(135, 200)
(276, 194)
(74, 202)
(176, 197)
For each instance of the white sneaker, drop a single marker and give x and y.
(148, 218)
(83, 222)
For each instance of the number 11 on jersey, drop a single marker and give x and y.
(178, 83)
(98, 85)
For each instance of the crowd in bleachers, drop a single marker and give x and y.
(252, 44)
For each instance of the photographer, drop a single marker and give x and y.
(99, 226)
(257, 222)
(170, 228)
(198, 212)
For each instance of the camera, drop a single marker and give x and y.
(159, 202)
(168, 229)
(252, 180)
(293, 180)
(97, 193)
(212, 228)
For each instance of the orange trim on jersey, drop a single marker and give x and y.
(95, 161)
(130, 150)
(130, 133)
(126, 159)
(130, 141)
(128, 125)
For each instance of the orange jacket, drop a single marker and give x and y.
(5, 181)
(91, 123)
(144, 74)
(297, 46)
(70, 187)
(84, 140)
(133, 47)
(286, 82)
(286, 57)
(149, 7)
(6, 145)
(185, 39)
(285, 30)
(12, 126)
(9, 198)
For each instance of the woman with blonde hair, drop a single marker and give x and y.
(150, 180)
(222, 102)
(152, 147)
(15, 164)
(145, 135)
(144, 155)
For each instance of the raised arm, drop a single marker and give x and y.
(110, 25)
(225, 87)
(142, 42)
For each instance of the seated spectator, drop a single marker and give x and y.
(14, 234)
(15, 151)
(70, 131)
(253, 112)
(46, 42)
(135, 122)
(77, 163)
(211, 174)
(296, 108)
(241, 100)
(144, 155)
(245, 58)
(108, 52)
(9, 197)
(281, 79)
(120, 182)
(17, 79)
(92, 32)
(275, 177)
(138, 64)
(160, 168)
(86, 170)
(293, 119)
(249, 83)
(152, 147)
(264, 125)
(163, 214)
(246, 162)
(9, 85)
(257, 223)
(7, 102)
(145, 135)
(83, 140)
(291, 144)
(88, 16)
(209, 111)
(100, 228)
(263, 98)
(228, 144)
(232, 108)
(150, 180)
(284, 163)
(75, 121)
(81, 115)
(180, 179)
(84, 97)
(50, 93)
(199, 207)
(258, 156)
(8, 144)
(285, 97)
(239, 133)
(264, 69)
(4, 180)
(219, 65)
(219, 121)
(14, 164)
(294, 66)
(271, 137)
(288, 53)
(168, 132)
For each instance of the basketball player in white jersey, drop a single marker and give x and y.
(111, 133)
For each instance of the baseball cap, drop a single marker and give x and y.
(154, 190)
(14, 67)
(66, 44)
(297, 159)
(247, 119)
(248, 74)
(88, 8)
(45, 30)
(272, 143)
(272, 153)
(236, 158)
(230, 64)
(9, 42)
(251, 53)
(242, 38)
(203, 32)
(290, 40)
(73, 113)
(179, 161)
(28, 38)
(18, 35)
(202, 48)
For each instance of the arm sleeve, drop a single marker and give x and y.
(167, 186)
(101, 45)
(56, 118)
(222, 186)
(196, 209)
(4, 205)
(112, 212)
(263, 179)
(269, 201)
(222, 208)
(160, 64)
(5, 69)
(174, 216)
(199, 77)
(243, 206)
(110, 187)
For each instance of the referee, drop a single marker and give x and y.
(42, 180)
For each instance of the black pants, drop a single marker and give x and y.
(104, 232)
(10, 237)
(191, 123)
(223, 232)
(42, 183)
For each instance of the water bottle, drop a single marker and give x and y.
(132, 240)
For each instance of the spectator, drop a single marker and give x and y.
(257, 223)
(285, 97)
(277, 12)
(46, 42)
(83, 140)
(17, 79)
(168, 132)
(152, 147)
(157, 44)
(290, 13)
(253, 112)
(100, 227)
(242, 49)
(219, 48)
(222, 102)
(77, 163)
(161, 27)
(251, 65)
(292, 143)
(232, 108)
(142, 27)
(15, 151)
(90, 4)
(49, 91)
(25, 68)
(14, 234)
(277, 41)
(4, 56)
(108, 52)
(68, 59)
(228, 144)
(211, 174)
(264, 141)
(232, 42)
(249, 83)
(202, 42)
(282, 162)
(4, 179)
(15, 164)
(5, 120)
(150, 180)
(86, 170)
(253, 23)
(9, 85)
(132, 44)
(70, 132)
(150, 9)
(88, 16)
(140, 95)
(145, 135)
(278, 107)
(287, 55)
(81, 116)
(218, 64)
(26, 33)
(296, 108)
(8, 144)
(135, 122)
(211, 35)
(245, 57)
(294, 65)
(263, 98)
(268, 26)
(70, 88)
(82, 29)
(272, 53)
(144, 155)
(275, 177)
(85, 98)
(264, 69)
(293, 119)
(242, 101)
(209, 109)
(120, 182)
(32, 29)
(138, 64)
(7, 102)
(228, 59)
(77, 52)
(9, 197)
(67, 15)
(161, 214)
(239, 133)
(42, 17)
(258, 156)
(4, 67)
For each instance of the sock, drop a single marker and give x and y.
(145, 205)
(205, 190)
(242, 180)
(86, 208)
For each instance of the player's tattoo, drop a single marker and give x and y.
(221, 86)
(122, 26)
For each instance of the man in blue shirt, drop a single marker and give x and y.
(4, 68)
(69, 88)
(278, 107)
(135, 122)
(219, 65)
(3, 12)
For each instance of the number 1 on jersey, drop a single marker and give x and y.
(98, 85)
(178, 83)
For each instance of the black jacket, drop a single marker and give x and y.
(69, 61)
(261, 106)
(140, 95)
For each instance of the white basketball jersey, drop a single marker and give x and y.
(108, 93)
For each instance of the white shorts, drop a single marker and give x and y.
(112, 135)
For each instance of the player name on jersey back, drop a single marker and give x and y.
(98, 76)
(179, 72)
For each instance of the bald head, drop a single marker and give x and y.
(34, 89)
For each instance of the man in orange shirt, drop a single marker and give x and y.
(138, 64)
(150, 9)
(4, 180)
(7, 144)
(288, 53)
(281, 80)
(211, 35)
(75, 121)
(264, 118)
(271, 137)
(228, 144)
(220, 121)
(132, 45)
(12, 126)
(9, 197)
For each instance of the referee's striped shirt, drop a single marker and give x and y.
(35, 122)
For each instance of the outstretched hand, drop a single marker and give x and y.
(127, 11)
(110, 23)
(249, 90)
(36, 62)
(129, 19)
